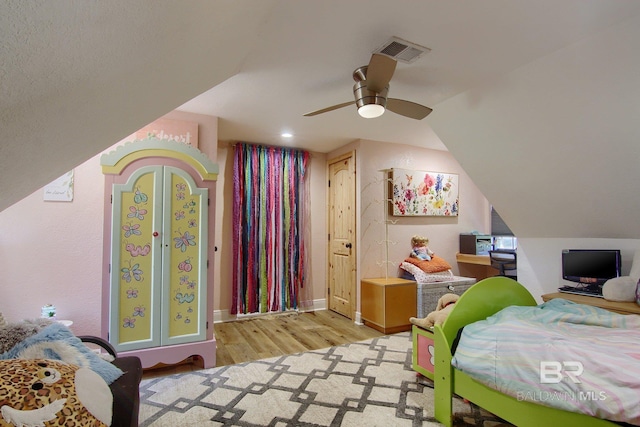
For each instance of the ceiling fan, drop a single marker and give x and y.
(371, 89)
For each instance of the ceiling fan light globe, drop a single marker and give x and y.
(371, 111)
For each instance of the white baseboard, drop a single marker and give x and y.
(225, 316)
(358, 319)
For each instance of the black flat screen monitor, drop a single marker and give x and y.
(590, 266)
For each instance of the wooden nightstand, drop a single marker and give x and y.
(617, 307)
(388, 303)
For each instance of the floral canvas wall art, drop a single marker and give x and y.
(422, 193)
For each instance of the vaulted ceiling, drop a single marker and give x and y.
(77, 76)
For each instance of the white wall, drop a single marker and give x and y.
(545, 255)
(554, 147)
(554, 144)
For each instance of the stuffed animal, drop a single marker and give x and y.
(39, 392)
(419, 248)
(438, 316)
(624, 288)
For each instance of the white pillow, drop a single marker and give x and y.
(635, 266)
(620, 289)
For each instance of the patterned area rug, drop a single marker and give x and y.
(368, 383)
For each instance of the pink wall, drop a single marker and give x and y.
(50, 252)
(443, 232)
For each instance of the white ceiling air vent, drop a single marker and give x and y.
(402, 50)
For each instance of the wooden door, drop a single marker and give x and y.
(342, 249)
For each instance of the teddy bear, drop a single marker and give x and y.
(419, 248)
(438, 316)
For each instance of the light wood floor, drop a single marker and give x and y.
(275, 335)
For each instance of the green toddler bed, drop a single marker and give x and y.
(479, 302)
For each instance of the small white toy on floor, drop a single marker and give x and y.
(439, 315)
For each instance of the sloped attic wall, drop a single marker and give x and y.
(555, 146)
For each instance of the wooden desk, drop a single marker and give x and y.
(478, 266)
(617, 307)
(388, 303)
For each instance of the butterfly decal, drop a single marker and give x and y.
(185, 298)
(132, 293)
(135, 272)
(140, 197)
(191, 206)
(130, 229)
(192, 223)
(179, 215)
(134, 212)
(138, 311)
(184, 280)
(191, 284)
(138, 250)
(129, 322)
(181, 186)
(184, 241)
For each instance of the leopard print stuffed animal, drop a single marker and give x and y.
(42, 392)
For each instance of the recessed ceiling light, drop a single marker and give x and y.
(286, 135)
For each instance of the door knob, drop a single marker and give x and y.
(348, 245)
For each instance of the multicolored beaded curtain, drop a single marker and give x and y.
(269, 215)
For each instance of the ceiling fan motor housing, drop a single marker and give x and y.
(365, 96)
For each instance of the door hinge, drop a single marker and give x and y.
(109, 268)
(207, 324)
(329, 183)
(208, 202)
(111, 199)
(207, 263)
(329, 236)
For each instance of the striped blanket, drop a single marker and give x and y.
(560, 354)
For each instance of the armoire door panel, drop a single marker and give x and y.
(185, 258)
(136, 254)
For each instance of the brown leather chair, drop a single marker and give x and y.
(126, 389)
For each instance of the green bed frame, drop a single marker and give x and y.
(482, 300)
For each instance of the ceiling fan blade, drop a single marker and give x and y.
(379, 72)
(408, 108)
(333, 107)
